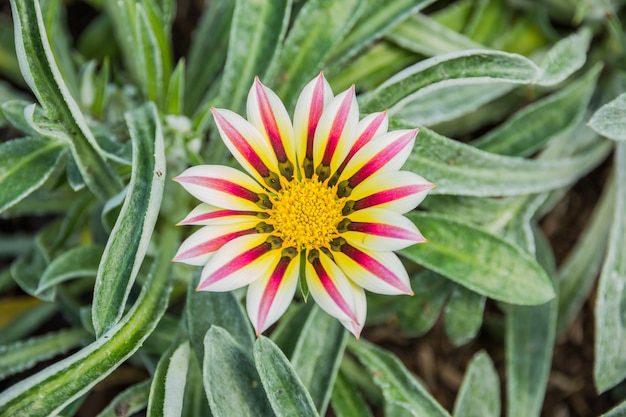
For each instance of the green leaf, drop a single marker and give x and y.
(579, 270)
(401, 390)
(376, 17)
(609, 120)
(44, 78)
(418, 314)
(25, 164)
(463, 315)
(619, 411)
(478, 260)
(466, 67)
(424, 35)
(461, 169)
(346, 400)
(231, 381)
(175, 93)
(211, 35)
(257, 32)
(73, 376)
(131, 400)
(318, 27)
(565, 57)
(444, 102)
(535, 125)
(610, 332)
(284, 389)
(479, 395)
(77, 262)
(131, 234)
(205, 309)
(317, 359)
(168, 383)
(22, 355)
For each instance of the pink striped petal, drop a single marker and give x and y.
(380, 230)
(198, 247)
(248, 146)
(238, 263)
(268, 114)
(399, 191)
(335, 133)
(311, 102)
(385, 153)
(379, 272)
(206, 214)
(372, 125)
(334, 292)
(223, 187)
(269, 296)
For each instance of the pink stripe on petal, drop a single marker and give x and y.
(363, 139)
(216, 215)
(269, 121)
(332, 290)
(315, 112)
(212, 245)
(385, 230)
(220, 185)
(238, 262)
(391, 194)
(241, 144)
(337, 127)
(375, 267)
(269, 294)
(381, 158)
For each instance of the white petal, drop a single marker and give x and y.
(268, 114)
(335, 293)
(398, 191)
(221, 186)
(309, 108)
(246, 144)
(197, 248)
(238, 263)
(270, 295)
(206, 214)
(336, 131)
(383, 153)
(381, 230)
(379, 272)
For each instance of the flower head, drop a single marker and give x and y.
(322, 202)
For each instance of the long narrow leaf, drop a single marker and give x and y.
(75, 375)
(610, 341)
(479, 260)
(44, 78)
(479, 395)
(129, 238)
(168, 383)
(285, 390)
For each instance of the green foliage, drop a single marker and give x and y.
(95, 123)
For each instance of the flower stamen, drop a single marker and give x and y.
(305, 214)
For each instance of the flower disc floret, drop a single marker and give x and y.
(305, 214)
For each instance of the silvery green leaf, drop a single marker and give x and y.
(463, 315)
(479, 260)
(286, 393)
(610, 340)
(168, 383)
(565, 57)
(468, 67)
(402, 392)
(131, 234)
(77, 262)
(25, 164)
(479, 395)
(346, 400)
(131, 400)
(231, 381)
(609, 120)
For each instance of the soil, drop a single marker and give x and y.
(432, 357)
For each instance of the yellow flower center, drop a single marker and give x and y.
(305, 214)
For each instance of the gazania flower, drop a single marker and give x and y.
(321, 204)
